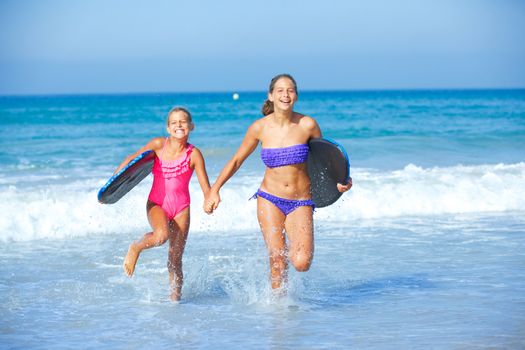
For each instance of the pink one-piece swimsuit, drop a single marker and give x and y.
(170, 189)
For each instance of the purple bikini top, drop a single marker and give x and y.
(276, 157)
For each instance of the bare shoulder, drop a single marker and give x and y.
(261, 122)
(309, 125)
(156, 143)
(257, 126)
(195, 152)
(196, 155)
(307, 122)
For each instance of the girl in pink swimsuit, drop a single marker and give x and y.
(168, 205)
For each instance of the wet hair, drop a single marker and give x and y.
(179, 109)
(267, 107)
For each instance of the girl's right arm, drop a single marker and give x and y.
(248, 145)
(154, 145)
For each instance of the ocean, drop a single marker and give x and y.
(426, 251)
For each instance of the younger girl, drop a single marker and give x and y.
(168, 205)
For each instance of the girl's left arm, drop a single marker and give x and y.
(199, 166)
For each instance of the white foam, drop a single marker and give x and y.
(434, 191)
(72, 209)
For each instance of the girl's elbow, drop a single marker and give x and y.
(236, 163)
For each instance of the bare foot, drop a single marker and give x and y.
(131, 259)
(280, 292)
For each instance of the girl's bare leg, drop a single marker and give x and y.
(300, 232)
(160, 225)
(271, 220)
(179, 228)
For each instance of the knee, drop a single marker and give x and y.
(301, 262)
(160, 236)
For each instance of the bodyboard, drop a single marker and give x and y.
(328, 164)
(127, 178)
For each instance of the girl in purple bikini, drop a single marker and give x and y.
(284, 204)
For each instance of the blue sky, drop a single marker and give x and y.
(73, 46)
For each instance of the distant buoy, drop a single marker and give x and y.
(235, 96)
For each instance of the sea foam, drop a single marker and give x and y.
(72, 209)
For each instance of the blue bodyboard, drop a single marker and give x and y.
(127, 178)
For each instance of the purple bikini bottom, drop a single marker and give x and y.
(286, 206)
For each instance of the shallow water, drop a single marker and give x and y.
(445, 282)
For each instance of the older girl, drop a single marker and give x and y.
(284, 204)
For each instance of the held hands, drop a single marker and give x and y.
(211, 202)
(343, 188)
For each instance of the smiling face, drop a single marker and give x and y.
(179, 125)
(283, 94)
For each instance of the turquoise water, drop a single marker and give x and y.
(426, 251)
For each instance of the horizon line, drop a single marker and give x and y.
(130, 93)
